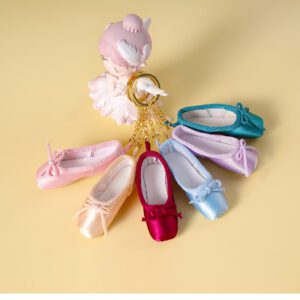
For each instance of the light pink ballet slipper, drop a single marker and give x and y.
(66, 166)
(106, 198)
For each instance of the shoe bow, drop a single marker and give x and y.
(159, 212)
(99, 207)
(54, 158)
(210, 186)
(245, 116)
(242, 154)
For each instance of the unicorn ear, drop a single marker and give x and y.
(147, 23)
(129, 53)
(107, 26)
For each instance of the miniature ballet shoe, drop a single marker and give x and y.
(106, 198)
(66, 166)
(154, 187)
(225, 119)
(228, 152)
(204, 192)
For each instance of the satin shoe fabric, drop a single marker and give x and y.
(154, 187)
(106, 198)
(225, 119)
(204, 192)
(228, 152)
(66, 166)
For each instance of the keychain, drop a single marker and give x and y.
(151, 122)
(130, 96)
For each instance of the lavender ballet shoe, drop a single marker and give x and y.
(228, 152)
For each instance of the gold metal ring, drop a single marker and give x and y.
(131, 89)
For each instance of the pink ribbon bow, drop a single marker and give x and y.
(101, 208)
(242, 154)
(54, 158)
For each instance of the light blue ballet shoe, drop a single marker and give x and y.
(204, 192)
(225, 119)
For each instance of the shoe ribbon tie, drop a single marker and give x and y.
(54, 158)
(161, 212)
(242, 154)
(245, 117)
(101, 208)
(210, 186)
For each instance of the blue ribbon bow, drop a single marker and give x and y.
(208, 187)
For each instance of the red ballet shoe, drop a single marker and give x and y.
(154, 187)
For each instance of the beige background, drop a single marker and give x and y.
(203, 51)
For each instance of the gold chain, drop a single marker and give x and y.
(151, 123)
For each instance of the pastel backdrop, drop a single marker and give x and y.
(203, 51)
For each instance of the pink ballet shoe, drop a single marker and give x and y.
(106, 198)
(66, 166)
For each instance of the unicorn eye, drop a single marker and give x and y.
(103, 58)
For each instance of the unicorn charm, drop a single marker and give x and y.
(125, 47)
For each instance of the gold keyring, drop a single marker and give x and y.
(131, 88)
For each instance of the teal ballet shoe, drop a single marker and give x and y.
(225, 119)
